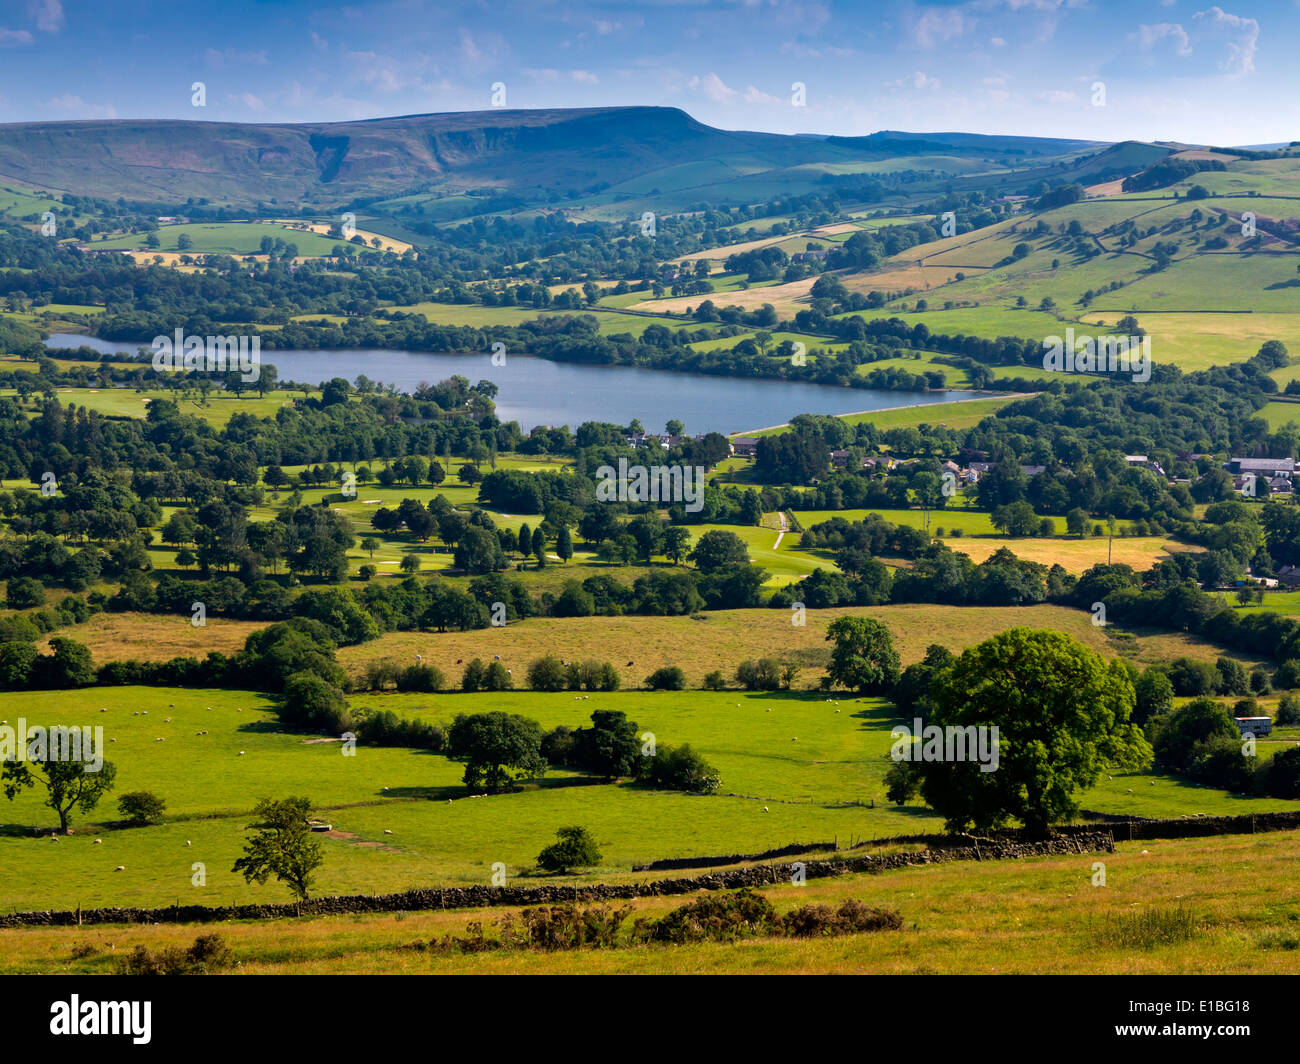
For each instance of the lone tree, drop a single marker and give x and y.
(493, 744)
(864, 658)
(70, 783)
(282, 846)
(575, 848)
(1062, 714)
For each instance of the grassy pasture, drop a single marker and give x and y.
(231, 238)
(401, 818)
(1034, 916)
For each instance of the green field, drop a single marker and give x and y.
(793, 769)
(231, 238)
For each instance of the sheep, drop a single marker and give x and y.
(159, 739)
(120, 868)
(765, 809)
(112, 740)
(795, 739)
(1153, 783)
(103, 710)
(459, 660)
(99, 842)
(496, 657)
(187, 842)
(54, 838)
(241, 754)
(387, 831)
(630, 664)
(1130, 790)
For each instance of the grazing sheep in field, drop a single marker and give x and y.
(496, 657)
(387, 831)
(187, 842)
(120, 868)
(103, 710)
(1153, 783)
(112, 740)
(241, 754)
(765, 809)
(54, 838)
(1129, 791)
(98, 842)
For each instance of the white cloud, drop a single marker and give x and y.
(253, 103)
(1058, 96)
(76, 107)
(47, 14)
(753, 95)
(1239, 36)
(935, 27)
(918, 80)
(713, 87)
(10, 37)
(1150, 36)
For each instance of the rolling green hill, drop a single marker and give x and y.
(605, 154)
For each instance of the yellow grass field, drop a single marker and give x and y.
(1032, 916)
(1075, 555)
(156, 637)
(723, 639)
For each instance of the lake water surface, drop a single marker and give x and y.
(535, 391)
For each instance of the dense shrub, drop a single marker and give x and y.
(669, 678)
(208, 955)
(682, 769)
(140, 808)
(575, 847)
(421, 678)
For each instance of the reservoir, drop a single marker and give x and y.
(536, 391)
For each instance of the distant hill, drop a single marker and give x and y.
(537, 153)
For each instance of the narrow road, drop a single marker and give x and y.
(780, 514)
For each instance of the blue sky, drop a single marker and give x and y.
(1171, 69)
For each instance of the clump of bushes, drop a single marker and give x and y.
(208, 955)
(575, 847)
(765, 674)
(709, 918)
(492, 676)
(669, 678)
(549, 673)
(141, 808)
(682, 769)
(383, 727)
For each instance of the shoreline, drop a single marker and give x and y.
(910, 406)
